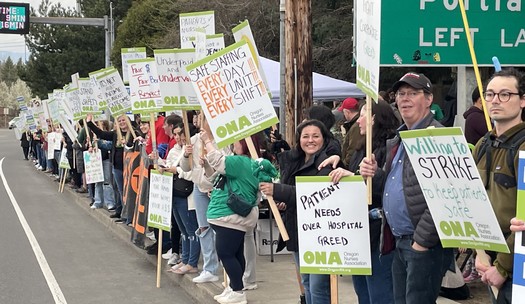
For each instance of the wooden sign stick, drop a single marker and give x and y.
(154, 140)
(159, 257)
(369, 144)
(334, 289)
(187, 132)
(271, 202)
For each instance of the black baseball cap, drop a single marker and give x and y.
(415, 80)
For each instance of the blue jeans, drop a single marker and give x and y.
(418, 274)
(187, 222)
(104, 193)
(376, 288)
(206, 236)
(316, 286)
(119, 181)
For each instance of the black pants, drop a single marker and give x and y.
(26, 152)
(175, 236)
(230, 250)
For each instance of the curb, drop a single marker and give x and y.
(200, 293)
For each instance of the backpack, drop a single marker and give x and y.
(500, 143)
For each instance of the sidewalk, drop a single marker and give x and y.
(277, 282)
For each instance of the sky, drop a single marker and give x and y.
(15, 43)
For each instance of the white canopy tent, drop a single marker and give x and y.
(324, 87)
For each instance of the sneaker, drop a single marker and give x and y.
(95, 206)
(151, 235)
(167, 255)
(205, 277)
(176, 267)
(224, 293)
(474, 276)
(174, 259)
(252, 286)
(111, 208)
(234, 297)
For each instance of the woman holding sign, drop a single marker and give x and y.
(376, 288)
(303, 160)
(236, 178)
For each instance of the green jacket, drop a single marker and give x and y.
(238, 171)
(502, 198)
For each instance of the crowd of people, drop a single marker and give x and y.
(408, 260)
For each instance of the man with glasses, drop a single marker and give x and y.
(505, 97)
(419, 260)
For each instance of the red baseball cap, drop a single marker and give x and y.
(349, 104)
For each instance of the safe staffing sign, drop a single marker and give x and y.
(431, 32)
(14, 18)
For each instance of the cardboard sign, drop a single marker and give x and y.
(64, 163)
(160, 197)
(128, 54)
(243, 32)
(333, 229)
(144, 86)
(189, 22)
(74, 102)
(93, 167)
(453, 190)
(87, 96)
(68, 127)
(176, 89)
(114, 92)
(232, 94)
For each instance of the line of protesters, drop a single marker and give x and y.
(408, 261)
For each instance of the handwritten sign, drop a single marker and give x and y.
(59, 95)
(368, 28)
(243, 32)
(86, 94)
(333, 230)
(454, 192)
(93, 167)
(232, 94)
(98, 95)
(160, 197)
(114, 92)
(191, 21)
(128, 54)
(74, 103)
(144, 86)
(518, 278)
(64, 163)
(176, 89)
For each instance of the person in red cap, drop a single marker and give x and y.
(352, 137)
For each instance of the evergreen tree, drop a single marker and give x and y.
(8, 73)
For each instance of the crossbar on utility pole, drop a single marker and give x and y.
(68, 21)
(103, 22)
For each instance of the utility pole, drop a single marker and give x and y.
(298, 29)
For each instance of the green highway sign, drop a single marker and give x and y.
(431, 32)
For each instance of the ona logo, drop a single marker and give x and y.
(143, 104)
(233, 126)
(322, 257)
(175, 100)
(457, 229)
(157, 218)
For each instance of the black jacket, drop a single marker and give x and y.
(291, 166)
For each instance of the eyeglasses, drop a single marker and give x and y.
(411, 94)
(502, 96)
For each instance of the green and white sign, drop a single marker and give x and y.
(160, 196)
(333, 226)
(87, 96)
(176, 89)
(93, 167)
(368, 29)
(114, 92)
(452, 187)
(189, 22)
(232, 94)
(72, 95)
(64, 163)
(128, 54)
(430, 32)
(144, 86)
